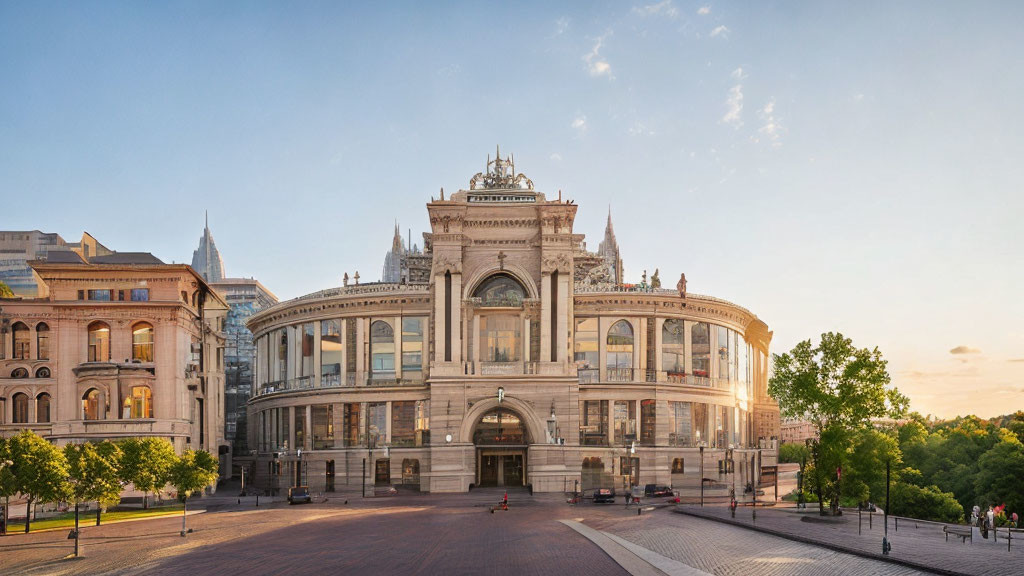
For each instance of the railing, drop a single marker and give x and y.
(506, 368)
(618, 374)
(588, 375)
(350, 380)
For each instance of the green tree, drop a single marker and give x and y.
(8, 483)
(146, 464)
(5, 291)
(928, 503)
(1000, 477)
(864, 472)
(193, 471)
(91, 476)
(793, 453)
(838, 388)
(110, 452)
(40, 469)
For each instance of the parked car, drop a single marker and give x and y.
(655, 491)
(299, 495)
(606, 495)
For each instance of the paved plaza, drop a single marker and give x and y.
(429, 534)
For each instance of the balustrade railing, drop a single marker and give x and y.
(351, 380)
(618, 374)
(593, 376)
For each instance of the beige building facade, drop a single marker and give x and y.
(522, 361)
(128, 347)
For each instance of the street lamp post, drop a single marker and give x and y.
(702, 476)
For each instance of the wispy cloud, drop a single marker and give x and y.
(561, 25)
(770, 128)
(664, 7)
(704, 10)
(596, 64)
(965, 350)
(720, 31)
(738, 74)
(734, 103)
(1016, 360)
(638, 129)
(579, 124)
(555, 157)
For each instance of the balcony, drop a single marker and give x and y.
(593, 376)
(506, 368)
(336, 381)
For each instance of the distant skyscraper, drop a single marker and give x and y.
(206, 259)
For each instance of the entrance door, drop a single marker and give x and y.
(512, 469)
(502, 467)
(382, 475)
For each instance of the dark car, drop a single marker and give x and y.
(655, 491)
(299, 495)
(606, 495)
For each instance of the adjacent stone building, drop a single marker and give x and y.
(521, 359)
(119, 346)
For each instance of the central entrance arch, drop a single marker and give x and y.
(501, 440)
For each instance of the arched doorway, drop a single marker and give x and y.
(501, 441)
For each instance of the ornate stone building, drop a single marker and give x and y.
(522, 359)
(123, 345)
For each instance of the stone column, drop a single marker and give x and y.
(439, 320)
(455, 317)
(291, 428)
(337, 414)
(545, 318)
(603, 324)
(344, 351)
(562, 328)
(659, 323)
(387, 425)
(317, 360)
(360, 350)
(307, 436)
(398, 346)
(475, 338)
(526, 339)
(687, 347)
(639, 338)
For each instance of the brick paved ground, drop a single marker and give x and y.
(921, 544)
(417, 534)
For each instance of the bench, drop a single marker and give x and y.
(964, 532)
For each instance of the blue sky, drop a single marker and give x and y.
(850, 167)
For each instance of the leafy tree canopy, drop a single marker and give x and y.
(5, 291)
(93, 473)
(193, 471)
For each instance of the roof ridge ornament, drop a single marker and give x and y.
(500, 174)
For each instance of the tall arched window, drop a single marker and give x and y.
(700, 348)
(42, 341)
(382, 349)
(22, 340)
(99, 342)
(142, 342)
(139, 403)
(619, 357)
(91, 405)
(43, 407)
(672, 357)
(20, 405)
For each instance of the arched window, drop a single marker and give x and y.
(619, 358)
(139, 403)
(21, 341)
(700, 348)
(99, 342)
(20, 401)
(672, 357)
(91, 405)
(500, 290)
(43, 372)
(382, 349)
(42, 341)
(499, 426)
(43, 407)
(19, 373)
(142, 342)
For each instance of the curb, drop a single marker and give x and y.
(834, 547)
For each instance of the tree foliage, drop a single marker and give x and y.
(793, 453)
(92, 472)
(39, 468)
(838, 388)
(193, 471)
(5, 291)
(146, 463)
